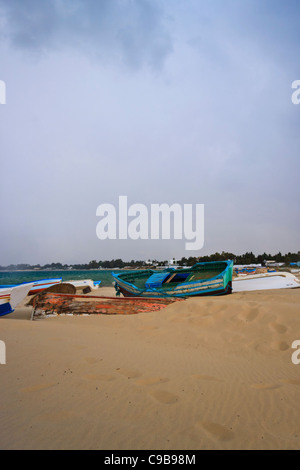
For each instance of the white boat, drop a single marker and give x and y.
(10, 297)
(82, 283)
(43, 284)
(265, 281)
(38, 286)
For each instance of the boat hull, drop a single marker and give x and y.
(10, 297)
(43, 284)
(220, 284)
(5, 306)
(268, 281)
(37, 286)
(211, 292)
(52, 304)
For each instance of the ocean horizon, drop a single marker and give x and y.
(20, 276)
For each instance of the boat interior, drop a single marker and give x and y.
(168, 279)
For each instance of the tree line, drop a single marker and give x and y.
(246, 258)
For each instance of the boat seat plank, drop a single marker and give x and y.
(156, 280)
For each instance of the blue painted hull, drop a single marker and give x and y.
(11, 296)
(5, 309)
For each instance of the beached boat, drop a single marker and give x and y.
(53, 304)
(82, 283)
(38, 286)
(211, 278)
(265, 281)
(10, 297)
(43, 284)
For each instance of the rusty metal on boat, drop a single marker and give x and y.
(49, 303)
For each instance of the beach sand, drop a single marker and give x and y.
(206, 373)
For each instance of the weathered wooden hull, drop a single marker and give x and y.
(49, 303)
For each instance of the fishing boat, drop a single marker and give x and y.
(10, 297)
(37, 286)
(265, 281)
(48, 304)
(210, 278)
(83, 283)
(43, 284)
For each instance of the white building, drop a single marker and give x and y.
(173, 262)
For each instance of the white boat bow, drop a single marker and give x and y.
(265, 281)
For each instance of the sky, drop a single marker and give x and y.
(160, 101)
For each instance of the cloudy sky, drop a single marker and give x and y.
(162, 101)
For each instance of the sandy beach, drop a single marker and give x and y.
(206, 373)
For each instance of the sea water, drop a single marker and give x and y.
(18, 277)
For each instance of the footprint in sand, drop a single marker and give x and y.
(102, 377)
(206, 377)
(38, 387)
(252, 304)
(152, 381)
(148, 328)
(280, 346)
(56, 417)
(129, 373)
(92, 360)
(291, 381)
(164, 397)
(218, 431)
(278, 328)
(250, 315)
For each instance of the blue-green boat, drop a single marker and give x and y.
(211, 278)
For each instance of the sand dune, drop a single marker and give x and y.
(206, 373)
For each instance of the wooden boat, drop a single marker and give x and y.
(211, 278)
(10, 297)
(49, 304)
(82, 283)
(38, 286)
(265, 281)
(43, 284)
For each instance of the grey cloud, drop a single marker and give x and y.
(132, 30)
(218, 127)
